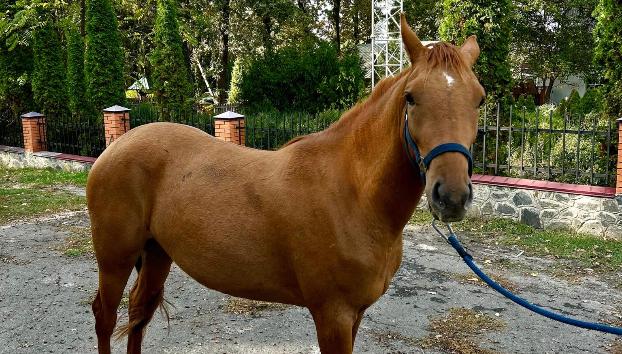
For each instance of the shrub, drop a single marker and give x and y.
(608, 38)
(299, 78)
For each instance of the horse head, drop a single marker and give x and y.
(441, 101)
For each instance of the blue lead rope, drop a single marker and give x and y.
(468, 259)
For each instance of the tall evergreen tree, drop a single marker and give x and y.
(75, 71)
(15, 85)
(490, 20)
(170, 76)
(608, 52)
(103, 62)
(49, 83)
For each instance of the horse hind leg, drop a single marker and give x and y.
(117, 246)
(147, 294)
(112, 282)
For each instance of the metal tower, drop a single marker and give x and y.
(387, 52)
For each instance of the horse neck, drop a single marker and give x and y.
(372, 134)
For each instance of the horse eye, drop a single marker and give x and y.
(409, 98)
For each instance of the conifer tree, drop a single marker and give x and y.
(104, 56)
(49, 83)
(170, 79)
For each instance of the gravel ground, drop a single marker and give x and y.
(45, 305)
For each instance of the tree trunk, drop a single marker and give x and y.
(267, 35)
(544, 91)
(337, 23)
(197, 62)
(224, 59)
(549, 89)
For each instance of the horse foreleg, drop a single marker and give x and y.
(335, 326)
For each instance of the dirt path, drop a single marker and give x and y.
(432, 306)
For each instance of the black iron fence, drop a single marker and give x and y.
(11, 133)
(147, 113)
(542, 144)
(269, 131)
(546, 144)
(74, 135)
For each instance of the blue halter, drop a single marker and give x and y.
(423, 163)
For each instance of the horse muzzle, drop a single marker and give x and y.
(448, 203)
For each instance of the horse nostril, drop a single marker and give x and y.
(436, 195)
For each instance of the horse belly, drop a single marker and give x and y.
(233, 260)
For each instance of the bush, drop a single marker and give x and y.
(299, 78)
(592, 101)
(608, 38)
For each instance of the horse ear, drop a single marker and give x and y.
(470, 50)
(413, 45)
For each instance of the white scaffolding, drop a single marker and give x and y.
(387, 52)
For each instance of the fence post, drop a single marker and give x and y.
(229, 126)
(116, 123)
(34, 130)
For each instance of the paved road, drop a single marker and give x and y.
(45, 296)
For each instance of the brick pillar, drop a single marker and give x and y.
(619, 164)
(229, 126)
(34, 130)
(116, 123)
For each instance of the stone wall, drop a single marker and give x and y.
(550, 210)
(13, 157)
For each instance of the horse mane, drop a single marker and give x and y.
(381, 88)
(438, 55)
(447, 56)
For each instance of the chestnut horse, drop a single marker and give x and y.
(317, 223)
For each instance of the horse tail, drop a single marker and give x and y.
(146, 298)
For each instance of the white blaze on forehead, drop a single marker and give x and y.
(450, 79)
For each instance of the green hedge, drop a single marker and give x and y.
(308, 78)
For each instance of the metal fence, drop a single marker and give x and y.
(74, 135)
(147, 113)
(546, 145)
(536, 144)
(11, 133)
(269, 131)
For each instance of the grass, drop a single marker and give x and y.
(458, 331)
(27, 193)
(78, 243)
(421, 217)
(590, 251)
(42, 177)
(19, 203)
(241, 306)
